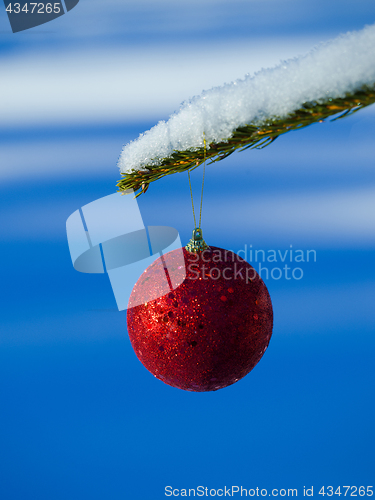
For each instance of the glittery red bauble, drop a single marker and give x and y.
(211, 330)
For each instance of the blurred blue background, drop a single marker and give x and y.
(80, 416)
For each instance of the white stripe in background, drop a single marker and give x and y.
(43, 159)
(330, 219)
(126, 84)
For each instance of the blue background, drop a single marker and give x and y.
(80, 416)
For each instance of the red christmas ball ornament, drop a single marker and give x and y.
(211, 330)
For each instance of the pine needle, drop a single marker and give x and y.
(248, 137)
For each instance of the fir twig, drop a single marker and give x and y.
(248, 137)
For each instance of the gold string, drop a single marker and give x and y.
(191, 191)
(192, 201)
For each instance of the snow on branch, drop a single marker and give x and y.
(329, 79)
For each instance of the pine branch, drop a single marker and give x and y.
(248, 137)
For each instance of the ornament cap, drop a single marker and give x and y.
(197, 243)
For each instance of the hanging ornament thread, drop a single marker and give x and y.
(197, 243)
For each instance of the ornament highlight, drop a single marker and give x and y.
(211, 330)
